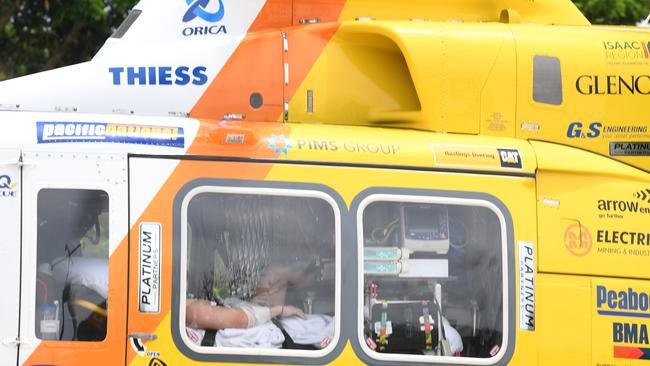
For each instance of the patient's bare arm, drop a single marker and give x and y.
(287, 311)
(202, 314)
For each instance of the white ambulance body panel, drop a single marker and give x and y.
(10, 197)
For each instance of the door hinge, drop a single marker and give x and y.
(13, 342)
(285, 42)
(21, 162)
(10, 163)
(25, 162)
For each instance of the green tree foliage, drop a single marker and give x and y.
(38, 35)
(614, 11)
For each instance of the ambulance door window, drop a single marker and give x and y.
(72, 270)
(260, 272)
(433, 278)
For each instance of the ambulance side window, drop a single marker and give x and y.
(72, 265)
(273, 256)
(433, 278)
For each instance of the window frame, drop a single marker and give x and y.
(179, 323)
(445, 200)
(72, 187)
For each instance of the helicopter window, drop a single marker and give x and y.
(72, 269)
(264, 255)
(547, 80)
(427, 262)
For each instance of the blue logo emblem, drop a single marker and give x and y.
(576, 130)
(96, 132)
(7, 187)
(280, 144)
(5, 182)
(197, 9)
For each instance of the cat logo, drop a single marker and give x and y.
(510, 158)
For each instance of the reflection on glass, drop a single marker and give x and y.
(260, 271)
(72, 270)
(427, 265)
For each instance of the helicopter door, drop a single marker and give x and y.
(74, 222)
(10, 189)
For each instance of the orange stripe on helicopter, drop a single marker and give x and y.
(230, 93)
(242, 75)
(163, 203)
(257, 68)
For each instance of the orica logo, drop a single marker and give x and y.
(197, 8)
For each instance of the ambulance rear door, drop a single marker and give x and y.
(73, 275)
(10, 189)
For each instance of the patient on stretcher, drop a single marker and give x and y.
(265, 321)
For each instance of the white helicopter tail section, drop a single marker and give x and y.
(152, 22)
(159, 62)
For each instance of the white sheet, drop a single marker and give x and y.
(316, 330)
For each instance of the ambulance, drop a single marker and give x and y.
(332, 182)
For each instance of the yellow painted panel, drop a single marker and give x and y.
(554, 157)
(538, 11)
(563, 322)
(358, 79)
(605, 87)
(348, 357)
(592, 222)
(498, 96)
(408, 148)
(412, 74)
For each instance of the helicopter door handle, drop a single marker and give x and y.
(14, 342)
(19, 162)
(144, 336)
